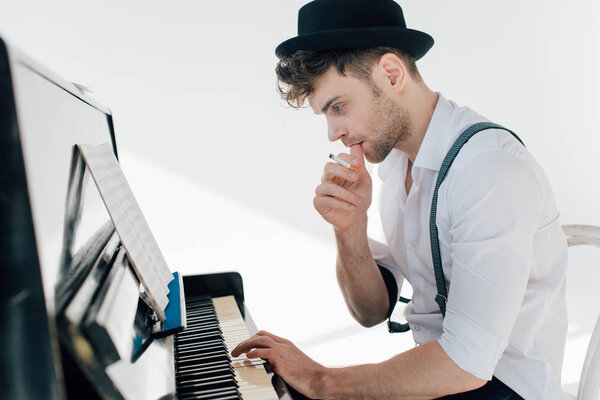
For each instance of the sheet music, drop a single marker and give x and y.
(142, 249)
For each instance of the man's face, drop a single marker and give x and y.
(358, 112)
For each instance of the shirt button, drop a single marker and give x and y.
(417, 291)
(413, 243)
(416, 328)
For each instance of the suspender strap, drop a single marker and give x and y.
(442, 292)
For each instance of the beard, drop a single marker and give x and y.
(390, 126)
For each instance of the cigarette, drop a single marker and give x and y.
(342, 162)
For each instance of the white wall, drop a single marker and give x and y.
(207, 143)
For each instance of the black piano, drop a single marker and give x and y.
(77, 322)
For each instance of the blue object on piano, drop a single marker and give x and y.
(175, 318)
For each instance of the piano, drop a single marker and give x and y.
(79, 320)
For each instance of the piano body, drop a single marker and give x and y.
(77, 320)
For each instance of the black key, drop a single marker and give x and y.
(203, 373)
(199, 360)
(204, 343)
(199, 337)
(195, 327)
(225, 382)
(203, 354)
(200, 350)
(199, 345)
(194, 384)
(199, 318)
(218, 394)
(190, 369)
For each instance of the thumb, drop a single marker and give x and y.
(356, 152)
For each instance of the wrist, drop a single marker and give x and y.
(325, 384)
(354, 231)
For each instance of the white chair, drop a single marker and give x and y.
(589, 383)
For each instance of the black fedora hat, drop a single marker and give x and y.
(342, 24)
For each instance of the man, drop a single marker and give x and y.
(501, 332)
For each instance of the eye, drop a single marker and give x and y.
(336, 108)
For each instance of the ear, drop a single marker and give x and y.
(394, 71)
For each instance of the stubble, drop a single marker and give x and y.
(391, 126)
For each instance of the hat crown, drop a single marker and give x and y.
(324, 15)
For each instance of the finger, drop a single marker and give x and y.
(355, 158)
(276, 339)
(330, 203)
(338, 192)
(253, 343)
(266, 354)
(356, 151)
(334, 170)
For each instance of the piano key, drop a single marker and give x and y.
(201, 319)
(218, 394)
(213, 353)
(198, 299)
(225, 383)
(253, 381)
(207, 336)
(204, 380)
(202, 356)
(190, 377)
(197, 328)
(200, 310)
(185, 371)
(201, 331)
(200, 360)
(200, 345)
(200, 349)
(200, 352)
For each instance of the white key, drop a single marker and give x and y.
(249, 372)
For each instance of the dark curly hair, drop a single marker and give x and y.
(297, 73)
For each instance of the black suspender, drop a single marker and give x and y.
(442, 291)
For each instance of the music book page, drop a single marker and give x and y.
(142, 249)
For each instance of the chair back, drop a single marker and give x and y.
(589, 383)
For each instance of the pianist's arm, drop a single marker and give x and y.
(359, 277)
(424, 372)
(342, 199)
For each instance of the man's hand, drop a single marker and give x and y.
(344, 196)
(291, 364)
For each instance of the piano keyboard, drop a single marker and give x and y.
(204, 368)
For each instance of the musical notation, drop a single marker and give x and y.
(142, 250)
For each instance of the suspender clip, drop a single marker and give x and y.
(441, 298)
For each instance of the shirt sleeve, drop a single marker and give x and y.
(493, 205)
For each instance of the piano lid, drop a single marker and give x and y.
(41, 118)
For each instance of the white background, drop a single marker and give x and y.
(225, 172)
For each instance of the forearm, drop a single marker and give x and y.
(424, 372)
(359, 277)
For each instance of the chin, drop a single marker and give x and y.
(369, 157)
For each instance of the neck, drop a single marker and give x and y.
(421, 102)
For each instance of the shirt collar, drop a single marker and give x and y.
(438, 136)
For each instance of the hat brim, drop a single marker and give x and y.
(415, 42)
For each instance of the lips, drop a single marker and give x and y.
(352, 144)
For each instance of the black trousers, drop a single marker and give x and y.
(493, 390)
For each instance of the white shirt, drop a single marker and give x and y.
(503, 253)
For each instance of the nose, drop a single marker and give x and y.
(335, 132)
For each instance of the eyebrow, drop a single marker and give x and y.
(326, 106)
